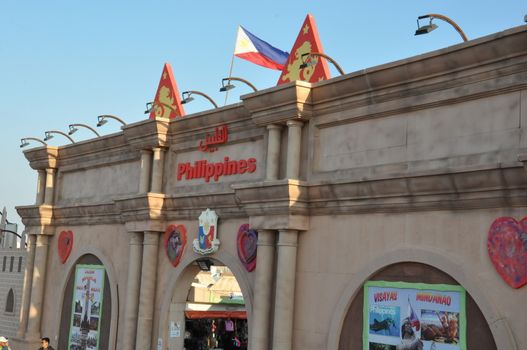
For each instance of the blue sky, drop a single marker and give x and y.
(66, 62)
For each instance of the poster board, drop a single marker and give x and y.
(86, 308)
(399, 314)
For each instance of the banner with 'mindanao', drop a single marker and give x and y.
(400, 315)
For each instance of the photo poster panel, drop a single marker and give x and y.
(400, 315)
(86, 309)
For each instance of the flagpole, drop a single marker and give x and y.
(230, 74)
(232, 63)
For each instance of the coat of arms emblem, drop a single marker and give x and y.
(207, 241)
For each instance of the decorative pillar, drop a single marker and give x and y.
(146, 168)
(50, 184)
(157, 170)
(37, 287)
(263, 282)
(273, 152)
(26, 289)
(294, 138)
(41, 187)
(147, 292)
(132, 289)
(285, 290)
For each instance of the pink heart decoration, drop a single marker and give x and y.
(247, 245)
(65, 243)
(507, 246)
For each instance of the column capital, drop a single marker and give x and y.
(266, 238)
(145, 151)
(136, 238)
(151, 238)
(295, 123)
(42, 240)
(159, 149)
(288, 238)
(50, 171)
(274, 127)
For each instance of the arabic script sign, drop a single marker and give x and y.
(220, 136)
(207, 241)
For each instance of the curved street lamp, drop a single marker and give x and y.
(230, 86)
(13, 232)
(73, 129)
(313, 62)
(431, 26)
(103, 119)
(49, 136)
(188, 97)
(24, 142)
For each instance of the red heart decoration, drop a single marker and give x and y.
(65, 245)
(247, 244)
(175, 238)
(507, 246)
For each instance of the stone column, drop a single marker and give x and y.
(26, 287)
(37, 287)
(157, 170)
(285, 290)
(41, 187)
(263, 282)
(294, 138)
(273, 152)
(50, 184)
(147, 293)
(132, 289)
(146, 169)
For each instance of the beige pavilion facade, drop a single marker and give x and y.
(392, 173)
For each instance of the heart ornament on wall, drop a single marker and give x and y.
(65, 243)
(246, 243)
(175, 239)
(507, 247)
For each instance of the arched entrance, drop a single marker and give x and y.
(208, 307)
(86, 306)
(479, 335)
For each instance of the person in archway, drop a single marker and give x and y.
(45, 344)
(229, 334)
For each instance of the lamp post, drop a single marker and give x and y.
(103, 119)
(24, 141)
(431, 26)
(313, 62)
(49, 135)
(73, 129)
(230, 86)
(187, 97)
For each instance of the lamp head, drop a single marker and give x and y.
(149, 106)
(48, 136)
(101, 120)
(309, 63)
(23, 143)
(425, 29)
(186, 95)
(73, 129)
(204, 264)
(227, 87)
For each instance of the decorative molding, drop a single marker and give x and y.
(280, 104)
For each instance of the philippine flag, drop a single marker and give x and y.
(257, 51)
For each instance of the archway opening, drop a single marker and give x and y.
(478, 333)
(207, 309)
(86, 307)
